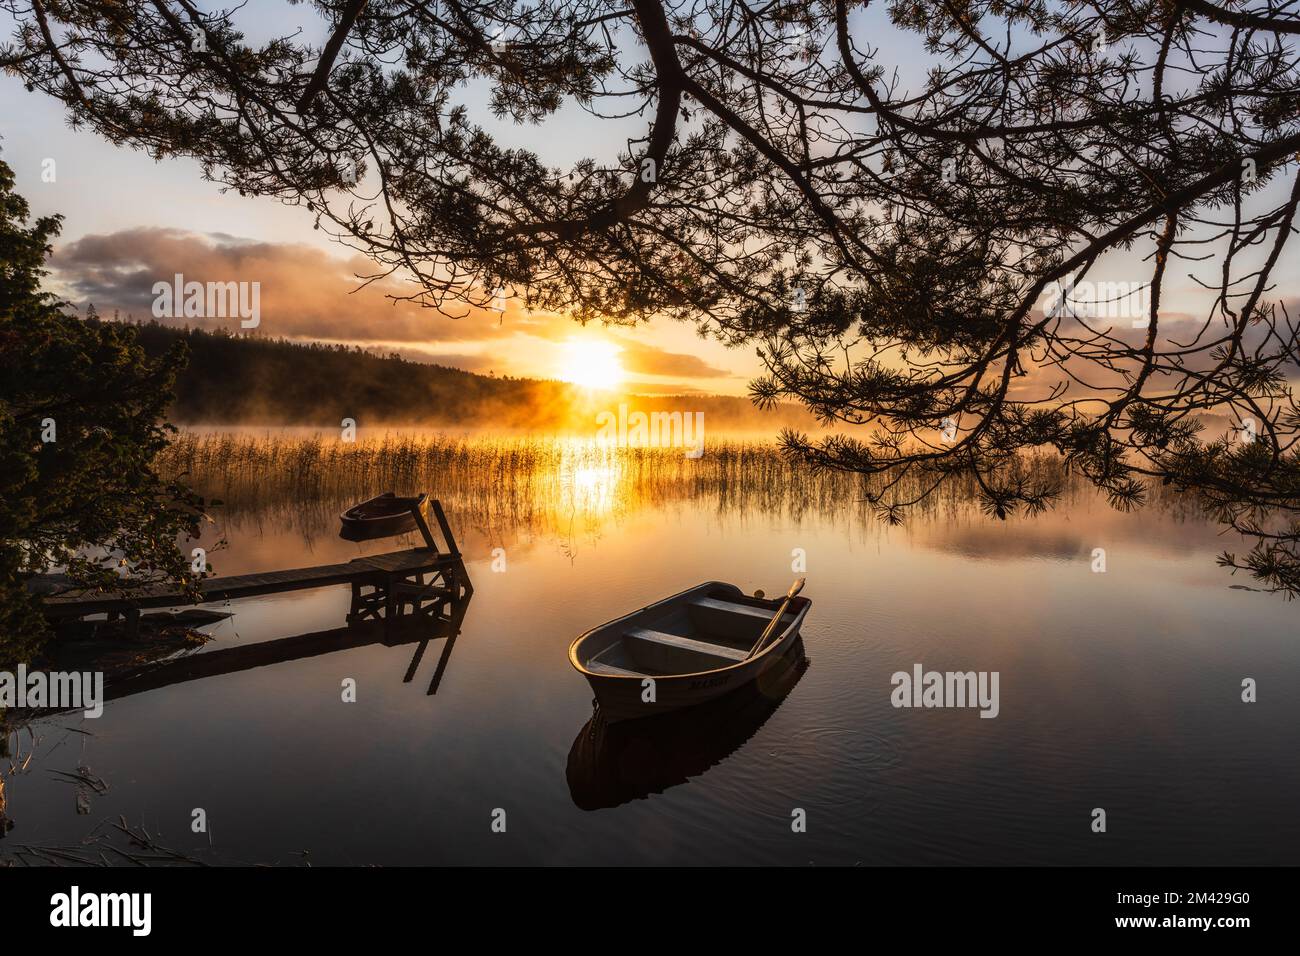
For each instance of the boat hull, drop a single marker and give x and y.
(384, 516)
(621, 698)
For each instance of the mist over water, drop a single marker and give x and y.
(1118, 690)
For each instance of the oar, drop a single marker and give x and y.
(773, 624)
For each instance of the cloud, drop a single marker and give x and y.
(461, 360)
(658, 388)
(305, 292)
(644, 359)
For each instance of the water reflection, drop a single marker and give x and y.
(444, 624)
(591, 488)
(612, 764)
(1119, 689)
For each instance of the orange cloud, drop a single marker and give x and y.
(305, 292)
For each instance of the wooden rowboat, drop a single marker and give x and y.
(682, 651)
(382, 517)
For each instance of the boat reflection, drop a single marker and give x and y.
(615, 763)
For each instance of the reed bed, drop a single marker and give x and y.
(497, 485)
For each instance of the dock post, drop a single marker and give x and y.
(458, 576)
(390, 600)
(355, 606)
(423, 525)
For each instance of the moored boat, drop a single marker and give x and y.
(382, 517)
(685, 650)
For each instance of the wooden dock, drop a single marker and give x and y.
(415, 581)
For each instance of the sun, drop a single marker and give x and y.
(592, 363)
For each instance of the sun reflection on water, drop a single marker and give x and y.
(588, 479)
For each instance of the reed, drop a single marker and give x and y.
(500, 484)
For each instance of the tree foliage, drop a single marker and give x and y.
(81, 411)
(892, 201)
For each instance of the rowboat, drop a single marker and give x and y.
(685, 650)
(613, 764)
(382, 517)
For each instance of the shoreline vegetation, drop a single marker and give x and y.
(498, 484)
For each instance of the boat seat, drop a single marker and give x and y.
(675, 642)
(729, 619)
(596, 667)
(759, 613)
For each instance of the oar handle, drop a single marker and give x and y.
(776, 618)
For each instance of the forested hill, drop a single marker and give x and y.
(234, 379)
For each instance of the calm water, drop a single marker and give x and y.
(1118, 690)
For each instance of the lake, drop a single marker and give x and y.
(1119, 690)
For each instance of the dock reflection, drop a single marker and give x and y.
(440, 621)
(443, 624)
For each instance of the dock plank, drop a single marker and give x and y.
(375, 567)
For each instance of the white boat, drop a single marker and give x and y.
(684, 650)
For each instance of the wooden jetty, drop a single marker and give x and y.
(412, 582)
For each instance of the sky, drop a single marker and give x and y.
(130, 221)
